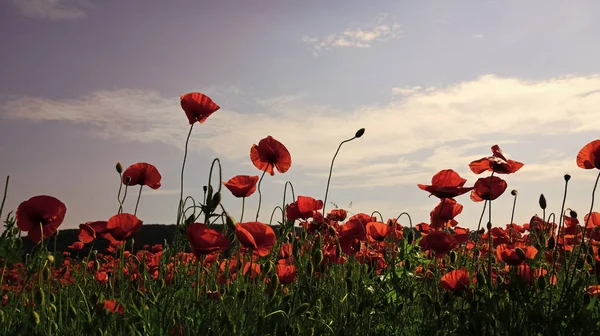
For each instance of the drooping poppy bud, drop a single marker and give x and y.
(542, 202)
(359, 133)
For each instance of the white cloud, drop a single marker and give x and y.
(406, 140)
(478, 36)
(53, 9)
(355, 37)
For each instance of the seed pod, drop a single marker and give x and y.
(119, 168)
(542, 202)
(514, 192)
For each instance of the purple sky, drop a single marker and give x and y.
(85, 83)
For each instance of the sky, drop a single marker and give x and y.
(85, 84)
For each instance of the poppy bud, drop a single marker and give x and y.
(514, 192)
(310, 268)
(215, 201)
(204, 188)
(520, 253)
(50, 258)
(542, 202)
(411, 237)
(318, 257)
(39, 297)
(541, 280)
(452, 256)
(190, 219)
(209, 195)
(481, 279)
(567, 177)
(572, 213)
(119, 167)
(359, 133)
(230, 223)
(303, 308)
(551, 243)
(35, 317)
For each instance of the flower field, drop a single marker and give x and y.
(311, 270)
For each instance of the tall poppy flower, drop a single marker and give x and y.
(270, 153)
(456, 281)
(443, 214)
(123, 226)
(258, 237)
(242, 185)
(377, 231)
(142, 173)
(197, 106)
(305, 207)
(43, 210)
(496, 163)
(484, 190)
(205, 241)
(441, 242)
(508, 253)
(589, 156)
(446, 184)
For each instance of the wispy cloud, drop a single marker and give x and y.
(53, 9)
(407, 139)
(478, 36)
(362, 37)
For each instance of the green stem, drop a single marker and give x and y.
(260, 193)
(138, 200)
(180, 208)
(331, 170)
(243, 206)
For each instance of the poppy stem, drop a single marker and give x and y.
(4, 197)
(123, 200)
(477, 232)
(512, 216)
(138, 199)
(331, 170)
(259, 193)
(243, 205)
(180, 208)
(119, 194)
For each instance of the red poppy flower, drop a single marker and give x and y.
(497, 163)
(441, 242)
(508, 253)
(123, 226)
(377, 231)
(258, 237)
(89, 231)
(76, 246)
(594, 219)
(45, 211)
(205, 241)
(443, 214)
(112, 306)
(482, 190)
(589, 156)
(337, 215)
(286, 273)
(304, 208)
(270, 153)
(456, 281)
(197, 106)
(242, 185)
(142, 173)
(446, 184)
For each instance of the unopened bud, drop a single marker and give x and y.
(542, 202)
(514, 192)
(452, 256)
(50, 258)
(359, 133)
(520, 253)
(567, 177)
(481, 279)
(551, 243)
(541, 280)
(573, 213)
(215, 201)
(119, 167)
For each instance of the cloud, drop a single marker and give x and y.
(478, 36)
(355, 37)
(53, 9)
(407, 139)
